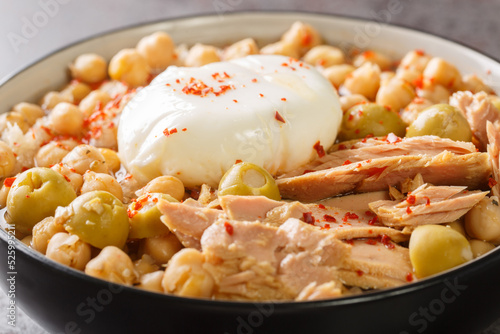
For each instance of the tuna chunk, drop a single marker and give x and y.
(446, 168)
(374, 148)
(493, 150)
(247, 207)
(478, 109)
(427, 205)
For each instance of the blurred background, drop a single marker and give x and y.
(32, 29)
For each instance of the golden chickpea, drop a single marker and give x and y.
(152, 281)
(86, 157)
(27, 240)
(4, 192)
(75, 179)
(480, 247)
(158, 50)
(409, 75)
(338, 73)
(483, 220)
(161, 249)
(395, 93)
(386, 76)
(281, 48)
(69, 250)
(241, 49)
(346, 102)
(52, 153)
(7, 160)
(76, 91)
(438, 71)
(111, 158)
(145, 265)
(100, 181)
(365, 80)
(89, 68)
(416, 60)
(43, 232)
(113, 88)
(165, 184)
(14, 118)
(433, 92)
(324, 56)
(303, 36)
(31, 112)
(185, 275)
(66, 119)
(112, 264)
(130, 67)
(94, 101)
(374, 57)
(201, 54)
(51, 99)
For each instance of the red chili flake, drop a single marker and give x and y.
(254, 80)
(283, 99)
(386, 241)
(235, 101)
(168, 132)
(329, 218)
(351, 117)
(238, 161)
(8, 181)
(368, 54)
(372, 242)
(27, 196)
(373, 221)
(308, 218)
(67, 178)
(278, 117)
(411, 199)
(178, 81)
(306, 39)
(47, 130)
(420, 52)
(428, 200)
(229, 228)
(359, 272)
(319, 149)
(492, 182)
(284, 64)
(349, 241)
(349, 215)
(184, 129)
(356, 131)
(321, 206)
(261, 95)
(408, 210)
(359, 165)
(24, 168)
(419, 82)
(347, 162)
(167, 84)
(342, 147)
(409, 277)
(325, 227)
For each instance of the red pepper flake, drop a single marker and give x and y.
(308, 218)
(24, 168)
(178, 81)
(321, 206)
(372, 242)
(409, 277)
(428, 201)
(411, 199)
(235, 101)
(261, 95)
(254, 80)
(278, 117)
(373, 221)
(408, 210)
(238, 161)
(368, 54)
(356, 131)
(306, 39)
(349, 215)
(167, 132)
(167, 84)
(229, 228)
(420, 52)
(342, 147)
(8, 181)
(283, 99)
(67, 178)
(325, 227)
(386, 241)
(359, 272)
(329, 218)
(284, 64)
(184, 129)
(419, 82)
(492, 182)
(351, 117)
(27, 196)
(319, 149)
(47, 130)
(347, 162)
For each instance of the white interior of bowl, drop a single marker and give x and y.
(51, 73)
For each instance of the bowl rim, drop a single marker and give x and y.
(441, 278)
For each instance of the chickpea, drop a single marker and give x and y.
(474, 84)
(480, 247)
(338, 73)
(185, 275)
(100, 181)
(241, 49)
(7, 160)
(68, 250)
(412, 110)
(409, 75)
(44, 231)
(365, 80)
(158, 50)
(51, 154)
(281, 48)
(395, 93)
(416, 60)
(152, 281)
(483, 220)
(113, 88)
(66, 119)
(324, 56)
(93, 101)
(440, 72)
(111, 158)
(14, 118)
(201, 54)
(166, 184)
(27, 240)
(374, 57)
(4, 192)
(386, 77)
(86, 157)
(51, 99)
(457, 226)
(346, 102)
(76, 91)
(31, 112)
(74, 179)
(145, 265)
(302, 36)
(112, 264)
(162, 248)
(89, 68)
(433, 92)
(130, 67)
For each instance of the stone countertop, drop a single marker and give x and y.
(32, 29)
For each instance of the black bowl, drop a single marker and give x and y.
(60, 299)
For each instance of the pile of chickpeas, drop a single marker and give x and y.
(70, 198)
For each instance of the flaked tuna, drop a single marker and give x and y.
(493, 131)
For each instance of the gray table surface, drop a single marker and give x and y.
(59, 22)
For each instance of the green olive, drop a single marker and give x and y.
(145, 217)
(248, 179)
(436, 248)
(367, 119)
(35, 195)
(441, 120)
(99, 218)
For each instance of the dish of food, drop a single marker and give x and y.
(236, 172)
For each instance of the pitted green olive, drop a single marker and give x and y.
(436, 248)
(248, 179)
(99, 218)
(373, 119)
(34, 195)
(145, 217)
(442, 120)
